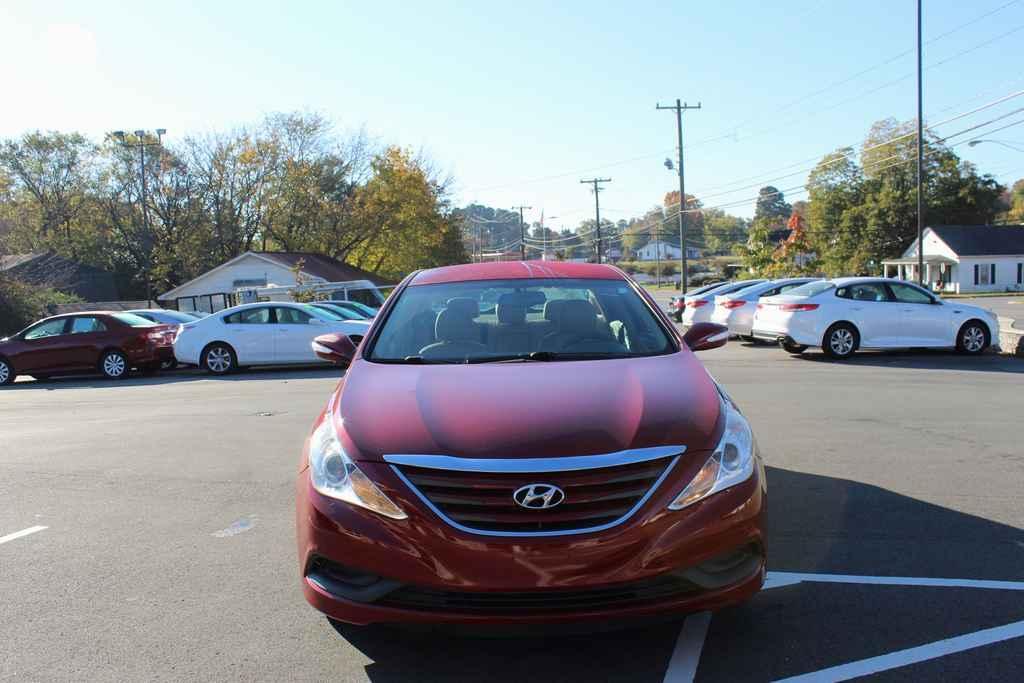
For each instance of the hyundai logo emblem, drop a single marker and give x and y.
(538, 496)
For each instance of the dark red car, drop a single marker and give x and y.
(527, 442)
(111, 343)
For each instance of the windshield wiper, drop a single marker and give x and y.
(536, 356)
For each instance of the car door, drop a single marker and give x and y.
(294, 334)
(251, 333)
(923, 321)
(87, 336)
(44, 347)
(870, 307)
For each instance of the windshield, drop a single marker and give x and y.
(811, 288)
(133, 320)
(492, 320)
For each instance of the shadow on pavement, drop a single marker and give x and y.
(282, 373)
(817, 524)
(925, 359)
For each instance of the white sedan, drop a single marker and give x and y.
(736, 310)
(259, 334)
(846, 314)
(698, 308)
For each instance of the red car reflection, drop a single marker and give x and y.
(111, 343)
(526, 442)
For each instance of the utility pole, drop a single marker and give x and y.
(522, 231)
(140, 142)
(596, 182)
(679, 107)
(920, 158)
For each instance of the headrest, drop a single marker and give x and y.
(577, 315)
(451, 326)
(463, 307)
(553, 309)
(511, 309)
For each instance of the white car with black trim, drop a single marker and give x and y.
(259, 334)
(846, 314)
(736, 310)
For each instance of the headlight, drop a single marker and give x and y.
(732, 462)
(335, 475)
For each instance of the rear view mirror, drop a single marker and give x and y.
(704, 336)
(334, 348)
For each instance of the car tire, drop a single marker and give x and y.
(973, 338)
(795, 349)
(7, 374)
(169, 364)
(841, 341)
(219, 359)
(114, 365)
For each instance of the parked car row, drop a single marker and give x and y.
(841, 315)
(113, 343)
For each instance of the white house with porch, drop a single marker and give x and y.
(966, 258)
(656, 249)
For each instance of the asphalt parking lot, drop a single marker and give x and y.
(147, 534)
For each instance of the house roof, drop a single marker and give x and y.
(982, 240)
(322, 266)
(47, 269)
(315, 265)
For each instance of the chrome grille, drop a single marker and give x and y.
(596, 497)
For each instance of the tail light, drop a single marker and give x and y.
(761, 307)
(733, 303)
(697, 303)
(793, 308)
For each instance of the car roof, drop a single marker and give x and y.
(516, 270)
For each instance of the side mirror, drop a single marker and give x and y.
(704, 336)
(334, 348)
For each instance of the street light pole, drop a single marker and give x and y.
(679, 107)
(920, 158)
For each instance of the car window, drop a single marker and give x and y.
(250, 316)
(864, 291)
(566, 318)
(909, 295)
(787, 287)
(86, 325)
(133, 320)
(811, 288)
(50, 328)
(292, 316)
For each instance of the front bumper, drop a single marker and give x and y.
(361, 568)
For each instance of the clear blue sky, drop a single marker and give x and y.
(521, 100)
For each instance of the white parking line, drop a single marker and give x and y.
(23, 532)
(778, 579)
(686, 656)
(893, 660)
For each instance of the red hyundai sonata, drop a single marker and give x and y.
(524, 442)
(107, 342)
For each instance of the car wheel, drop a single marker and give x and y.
(219, 359)
(114, 365)
(6, 372)
(840, 341)
(795, 349)
(973, 338)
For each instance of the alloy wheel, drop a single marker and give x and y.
(218, 359)
(5, 372)
(114, 365)
(841, 342)
(974, 339)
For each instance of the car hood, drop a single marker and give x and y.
(534, 409)
(970, 309)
